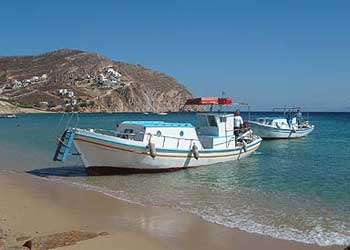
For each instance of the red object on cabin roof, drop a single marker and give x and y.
(209, 101)
(225, 101)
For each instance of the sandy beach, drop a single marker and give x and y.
(31, 207)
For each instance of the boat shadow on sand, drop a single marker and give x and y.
(67, 171)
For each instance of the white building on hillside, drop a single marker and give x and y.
(70, 94)
(63, 91)
(35, 79)
(43, 77)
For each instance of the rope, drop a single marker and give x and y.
(70, 117)
(59, 124)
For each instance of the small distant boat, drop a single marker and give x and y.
(8, 116)
(162, 113)
(290, 125)
(157, 146)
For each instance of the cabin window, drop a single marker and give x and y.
(222, 119)
(212, 121)
(159, 133)
(182, 133)
(128, 131)
(202, 121)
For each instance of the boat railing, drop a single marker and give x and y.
(131, 136)
(179, 139)
(164, 138)
(113, 133)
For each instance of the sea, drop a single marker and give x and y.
(289, 189)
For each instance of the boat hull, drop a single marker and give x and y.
(102, 157)
(268, 132)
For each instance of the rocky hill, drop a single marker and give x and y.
(66, 79)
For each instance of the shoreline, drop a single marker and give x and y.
(74, 208)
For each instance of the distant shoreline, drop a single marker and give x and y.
(39, 111)
(8, 108)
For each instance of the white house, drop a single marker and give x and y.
(114, 73)
(63, 91)
(35, 79)
(70, 94)
(44, 105)
(43, 77)
(17, 84)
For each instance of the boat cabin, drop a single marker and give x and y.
(214, 130)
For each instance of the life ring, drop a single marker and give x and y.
(152, 148)
(195, 151)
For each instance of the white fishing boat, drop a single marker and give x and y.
(155, 146)
(290, 125)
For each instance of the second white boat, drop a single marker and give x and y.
(286, 127)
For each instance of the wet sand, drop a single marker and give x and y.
(32, 206)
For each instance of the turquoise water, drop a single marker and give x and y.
(290, 189)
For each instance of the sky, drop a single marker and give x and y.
(267, 53)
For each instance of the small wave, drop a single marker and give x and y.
(316, 236)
